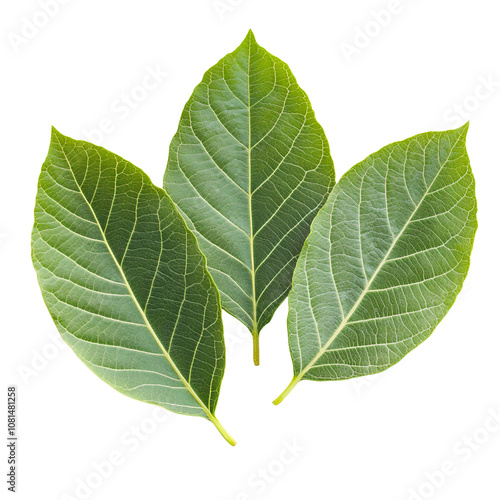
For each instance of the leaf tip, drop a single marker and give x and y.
(464, 128)
(459, 134)
(55, 135)
(56, 139)
(250, 38)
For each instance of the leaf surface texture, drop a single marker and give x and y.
(385, 260)
(125, 281)
(249, 168)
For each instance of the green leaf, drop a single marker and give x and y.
(385, 260)
(125, 281)
(249, 168)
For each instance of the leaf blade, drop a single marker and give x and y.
(411, 211)
(249, 167)
(107, 245)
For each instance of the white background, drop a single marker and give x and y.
(380, 438)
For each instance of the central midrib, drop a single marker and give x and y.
(252, 258)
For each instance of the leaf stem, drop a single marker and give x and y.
(221, 429)
(256, 348)
(284, 394)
